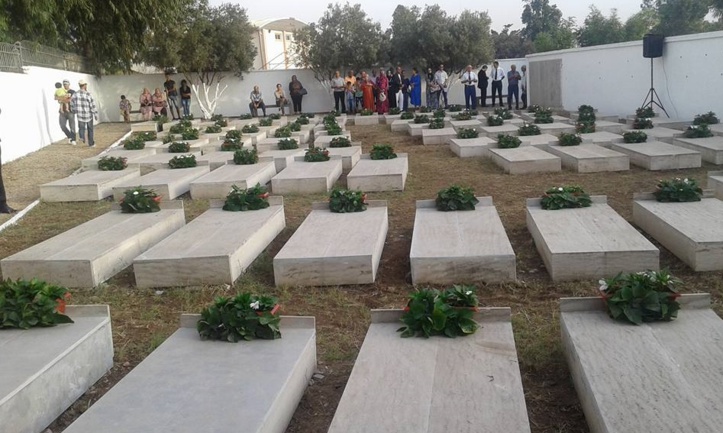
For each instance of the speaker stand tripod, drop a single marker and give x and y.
(652, 98)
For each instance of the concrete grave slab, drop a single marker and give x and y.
(429, 395)
(202, 144)
(606, 117)
(460, 247)
(437, 136)
(331, 249)
(168, 183)
(542, 140)
(143, 126)
(349, 156)
(459, 124)
(715, 183)
(494, 131)
(693, 231)
(658, 133)
(262, 395)
(215, 160)
(656, 155)
(218, 183)
(283, 158)
(92, 185)
(389, 118)
(159, 161)
(214, 248)
(556, 128)
(612, 127)
(401, 125)
(130, 156)
(590, 158)
(415, 129)
(302, 136)
(616, 366)
(601, 138)
(255, 136)
(379, 175)
(324, 140)
(44, 370)
(671, 122)
(522, 160)
(92, 252)
(307, 177)
(360, 120)
(269, 130)
(710, 148)
(471, 147)
(717, 129)
(591, 242)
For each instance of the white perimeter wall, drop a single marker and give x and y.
(616, 78)
(29, 118)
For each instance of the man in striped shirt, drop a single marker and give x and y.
(83, 105)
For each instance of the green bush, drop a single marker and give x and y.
(641, 297)
(431, 312)
(213, 129)
(147, 135)
(250, 129)
(585, 127)
(231, 145)
(241, 200)
(565, 197)
(179, 147)
(465, 133)
(284, 132)
(422, 118)
(234, 134)
(642, 123)
(436, 123)
(288, 144)
(503, 113)
(506, 141)
(112, 163)
(544, 115)
(528, 129)
(456, 198)
(266, 122)
(340, 141)
(243, 317)
(635, 137)
(678, 190)
(316, 154)
(567, 139)
(708, 118)
(134, 143)
(407, 115)
(382, 151)
(183, 161)
(190, 134)
(245, 157)
(698, 131)
(494, 120)
(140, 200)
(346, 201)
(27, 304)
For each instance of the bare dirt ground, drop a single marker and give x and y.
(143, 319)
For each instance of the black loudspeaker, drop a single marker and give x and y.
(653, 46)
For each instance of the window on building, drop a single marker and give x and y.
(288, 37)
(278, 36)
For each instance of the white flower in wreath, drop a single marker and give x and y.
(603, 284)
(469, 292)
(254, 305)
(560, 189)
(135, 192)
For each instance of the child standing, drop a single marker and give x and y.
(350, 98)
(125, 109)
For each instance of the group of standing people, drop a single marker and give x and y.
(158, 102)
(76, 106)
(516, 82)
(380, 93)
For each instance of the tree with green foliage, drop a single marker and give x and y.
(545, 27)
(639, 24)
(599, 29)
(405, 44)
(682, 17)
(509, 44)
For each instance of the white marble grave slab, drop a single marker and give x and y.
(130, 156)
(715, 183)
(693, 231)
(349, 156)
(591, 242)
(360, 120)
(717, 129)
(214, 248)
(331, 249)
(389, 118)
(92, 185)
(282, 158)
(617, 367)
(556, 128)
(659, 133)
(494, 131)
(611, 127)
(656, 155)
(590, 158)
(471, 147)
(468, 384)
(437, 136)
(44, 370)
(522, 160)
(710, 148)
(168, 183)
(415, 129)
(260, 382)
(401, 125)
(218, 183)
(143, 126)
(92, 252)
(460, 247)
(159, 161)
(471, 124)
(307, 177)
(542, 140)
(601, 138)
(215, 160)
(324, 140)
(379, 175)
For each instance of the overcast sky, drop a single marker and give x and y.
(501, 11)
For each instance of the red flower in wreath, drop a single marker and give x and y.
(264, 195)
(157, 199)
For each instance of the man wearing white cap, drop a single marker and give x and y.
(66, 117)
(83, 105)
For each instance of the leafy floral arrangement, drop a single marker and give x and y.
(245, 157)
(528, 129)
(134, 143)
(678, 190)
(346, 201)
(436, 123)
(140, 200)
(382, 151)
(641, 297)
(642, 123)
(179, 127)
(333, 129)
(439, 112)
(160, 119)
(294, 126)
(407, 115)
(231, 145)
(179, 147)
(27, 304)
(698, 131)
(183, 161)
(645, 112)
(112, 163)
(190, 134)
(366, 112)
(465, 115)
(284, 132)
(250, 129)
(565, 197)
(586, 114)
(316, 154)
(216, 117)
(567, 139)
(186, 121)
(394, 111)
(169, 138)
(266, 122)
(503, 113)
(465, 133)
(635, 137)
(243, 317)
(334, 113)
(495, 120)
(455, 108)
(506, 141)
(422, 118)
(425, 109)
(147, 136)
(708, 118)
(234, 134)
(213, 129)
(544, 115)
(302, 120)
(274, 116)
(307, 115)
(533, 108)
(330, 118)
(246, 116)
(431, 312)
(585, 127)
(288, 144)
(241, 200)
(456, 198)
(222, 123)
(340, 141)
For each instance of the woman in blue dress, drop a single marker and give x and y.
(415, 82)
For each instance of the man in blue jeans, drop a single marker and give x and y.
(83, 105)
(513, 87)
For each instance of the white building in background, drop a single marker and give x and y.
(273, 39)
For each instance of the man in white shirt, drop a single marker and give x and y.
(257, 101)
(440, 77)
(497, 74)
(469, 79)
(523, 86)
(337, 84)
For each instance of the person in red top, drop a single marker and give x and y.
(367, 87)
(383, 95)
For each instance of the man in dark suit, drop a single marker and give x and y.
(395, 85)
(482, 84)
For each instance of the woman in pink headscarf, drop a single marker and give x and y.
(383, 95)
